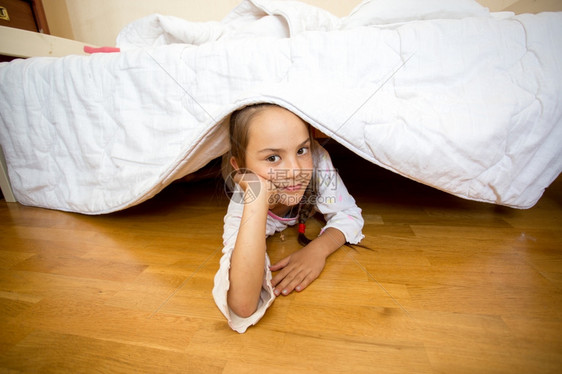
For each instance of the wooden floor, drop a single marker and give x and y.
(449, 286)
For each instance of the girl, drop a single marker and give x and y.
(281, 174)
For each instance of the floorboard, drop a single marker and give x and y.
(446, 286)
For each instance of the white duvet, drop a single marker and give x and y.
(444, 93)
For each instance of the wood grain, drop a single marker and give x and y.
(447, 286)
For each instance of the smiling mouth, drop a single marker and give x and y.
(296, 187)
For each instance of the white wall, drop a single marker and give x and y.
(98, 22)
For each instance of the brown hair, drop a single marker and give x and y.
(239, 126)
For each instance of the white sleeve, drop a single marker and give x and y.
(335, 202)
(222, 280)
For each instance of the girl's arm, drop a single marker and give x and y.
(247, 262)
(344, 223)
(301, 268)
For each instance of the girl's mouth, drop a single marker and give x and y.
(296, 187)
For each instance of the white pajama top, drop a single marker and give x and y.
(333, 201)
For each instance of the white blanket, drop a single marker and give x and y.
(444, 93)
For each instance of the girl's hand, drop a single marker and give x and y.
(298, 270)
(301, 268)
(254, 185)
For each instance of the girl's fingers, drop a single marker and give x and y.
(279, 278)
(280, 264)
(296, 282)
(305, 283)
(281, 281)
(293, 286)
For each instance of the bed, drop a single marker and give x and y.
(444, 93)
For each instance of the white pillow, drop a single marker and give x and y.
(382, 12)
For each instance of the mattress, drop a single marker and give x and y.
(449, 95)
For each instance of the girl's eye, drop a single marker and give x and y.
(273, 158)
(302, 151)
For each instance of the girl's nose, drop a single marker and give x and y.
(294, 168)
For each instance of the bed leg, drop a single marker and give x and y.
(4, 180)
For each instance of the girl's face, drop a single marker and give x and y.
(279, 150)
